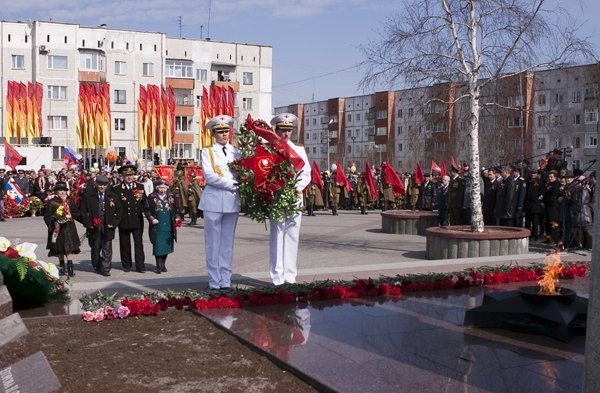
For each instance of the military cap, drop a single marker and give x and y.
(284, 121)
(101, 179)
(220, 123)
(127, 170)
(20, 171)
(61, 186)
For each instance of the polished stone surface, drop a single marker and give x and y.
(414, 343)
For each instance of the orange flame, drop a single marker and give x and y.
(551, 272)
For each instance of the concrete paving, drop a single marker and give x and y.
(332, 247)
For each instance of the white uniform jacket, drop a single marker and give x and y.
(221, 192)
(304, 177)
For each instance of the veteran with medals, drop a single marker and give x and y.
(284, 235)
(220, 203)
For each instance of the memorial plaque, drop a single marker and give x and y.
(6, 305)
(12, 329)
(31, 375)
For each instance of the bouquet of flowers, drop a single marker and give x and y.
(138, 194)
(30, 282)
(35, 203)
(266, 173)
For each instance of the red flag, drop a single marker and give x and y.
(443, 171)
(277, 143)
(435, 167)
(340, 177)
(197, 171)
(392, 178)
(165, 172)
(453, 164)
(370, 182)
(315, 176)
(419, 177)
(11, 156)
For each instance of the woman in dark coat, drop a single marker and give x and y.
(63, 240)
(162, 213)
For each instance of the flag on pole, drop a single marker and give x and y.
(443, 171)
(419, 177)
(11, 156)
(370, 182)
(435, 167)
(70, 156)
(315, 176)
(13, 191)
(392, 178)
(340, 177)
(453, 164)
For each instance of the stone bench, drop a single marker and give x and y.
(453, 242)
(408, 222)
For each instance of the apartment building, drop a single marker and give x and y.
(523, 116)
(60, 56)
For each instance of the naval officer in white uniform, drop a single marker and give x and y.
(220, 202)
(284, 235)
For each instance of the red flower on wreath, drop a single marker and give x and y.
(96, 222)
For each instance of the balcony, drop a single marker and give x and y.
(184, 100)
(226, 84)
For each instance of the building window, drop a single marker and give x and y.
(400, 113)
(148, 69)
(591, 93)
(381, 130)
(541, 121)
(541, 143)
(576, 96)
(119, 124)
(179, 69)
(92, 61)
(577, 142)
(57, 152)
(201, 75)
(349, 117)
(558, 98)
(515, 121)
(541, 99)
(120, 67)
(57, 62)
(591, 115)
(57, 122)
(358, 117)
(223, 76)
(248, 78)
(183, 150)
(399, 146)
(18, 62)
(410, 112)
(183, 123)
(314, 121)
(57, 93)
(515, 101)
(399, 130)
(557, 120)
(247, 104)
(381, 114)
(591, 140)
(307, 122)
(577, 119)
(120, 97)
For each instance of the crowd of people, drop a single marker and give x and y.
(552, 202)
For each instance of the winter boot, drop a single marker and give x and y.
(164, 264)
(61, 268)
(70, 270)
(158, 265)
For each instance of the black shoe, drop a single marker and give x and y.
(126, 269)
(2, 219)
(61, 269)
(158, 270)
(105, 273)
(70, 269)
(140, 270)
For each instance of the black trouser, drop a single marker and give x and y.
(533, 223)
(125, 247)
(101, 251)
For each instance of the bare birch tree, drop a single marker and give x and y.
(471, 43)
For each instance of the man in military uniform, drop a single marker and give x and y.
(194, 194)
(533, 207)
(132, 196)
(389, 199)
(427, 194)
(180, 190)
(414, 189)
(100, 215)
(313, 198)
(363, 194)
(506, 203)
(285, 235)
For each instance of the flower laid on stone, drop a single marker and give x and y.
(387, 288)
